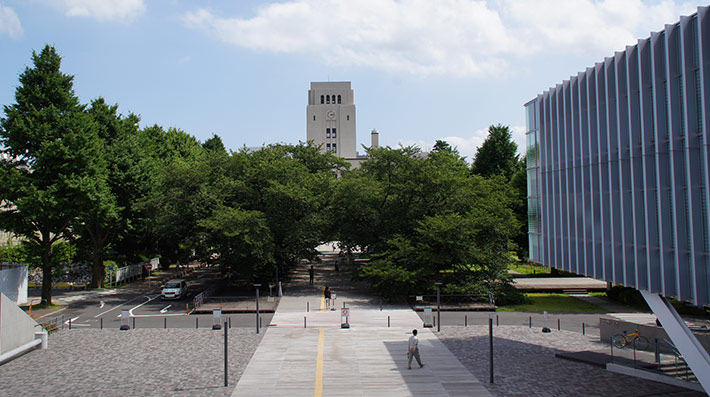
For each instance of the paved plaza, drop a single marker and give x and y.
(321, 359)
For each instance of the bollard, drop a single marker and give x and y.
(260, 323)
(496, 320)
(308, 307)
(304, 321)
(380, 304)
(465, 320)
(584, 332)
(197, 322)
(187, 309)
(230, 322)
(343, 304)
(530, 321)
(388, 321)
(558, 324)
(490, 343)
(102, 323)
(62, 322)
(165, 323)
(134, 323)
(69, 323)
(225, 354)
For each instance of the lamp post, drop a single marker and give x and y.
(438, 306)
(257, 306)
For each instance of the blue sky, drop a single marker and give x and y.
(421, 70)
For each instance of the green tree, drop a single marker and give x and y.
(50, 167)
(519, 205)
(497, 155)
(107, 217)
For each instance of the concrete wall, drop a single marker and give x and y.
(13, 282)
(16, 327)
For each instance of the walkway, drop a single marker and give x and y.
(368, 359)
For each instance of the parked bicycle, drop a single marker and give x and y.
(639, 342)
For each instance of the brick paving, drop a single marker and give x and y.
(525, 364)
(140, 362)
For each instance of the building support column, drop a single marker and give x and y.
(693, 352)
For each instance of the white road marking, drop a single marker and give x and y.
(72, 320)
(114, 308)
(165, 309)
(130, 311)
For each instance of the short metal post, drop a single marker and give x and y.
(490, 342)
(102, 322)
(197, 323)
(530, 321)
(496, 320)
(380, 304)
(69, 323)
(584, 331)
(165, 322)
(343, 304)
(308, 307)
(134, 323)
(257, 306)
(261, 325)
(388, 321)
(558, 324)
(230, 322)
(438, 307)
(304, 321)
(465, 320)
(62, 322)
(226, 371)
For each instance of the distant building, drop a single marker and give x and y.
(330, 120)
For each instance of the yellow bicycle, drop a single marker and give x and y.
(637, 341)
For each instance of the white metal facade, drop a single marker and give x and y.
(618, 161)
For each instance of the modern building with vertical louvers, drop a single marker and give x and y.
(618, 161)
(618, 167)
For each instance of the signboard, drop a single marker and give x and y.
(155, 262)
(149, 266)
(333, 295)
(428, 318)
(345, 317)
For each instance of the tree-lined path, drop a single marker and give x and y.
(367, 359)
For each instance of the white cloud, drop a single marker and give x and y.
(478, 38)
(9, 22)
(103, 10)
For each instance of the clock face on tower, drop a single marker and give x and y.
(330, 115)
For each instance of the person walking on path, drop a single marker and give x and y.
(311, 275)
(326, 295)
(413, 350)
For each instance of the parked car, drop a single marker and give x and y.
(174, 289)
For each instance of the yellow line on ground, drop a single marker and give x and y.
(319, 365)
(322, 299)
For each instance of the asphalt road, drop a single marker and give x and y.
(145, 308)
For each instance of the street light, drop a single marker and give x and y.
(257, 306)
(438, 306)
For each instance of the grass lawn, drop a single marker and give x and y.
(554, 303)
(529, 269)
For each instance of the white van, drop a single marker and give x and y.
(174, 289)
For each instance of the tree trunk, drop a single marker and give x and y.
(98, 270)
(46, 247)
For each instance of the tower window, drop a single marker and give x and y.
(327, 99)
(322, 99)
(338, 99)
(314, 117)
(327, 132)
(333, 132)
(327, 147)
(335, 149)
(348, 117)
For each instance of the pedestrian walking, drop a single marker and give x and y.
(413, 350)
(326, 295)
(311, 275)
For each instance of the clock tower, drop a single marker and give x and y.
(330, 118)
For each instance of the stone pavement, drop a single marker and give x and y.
(368, 359)
(140, 362)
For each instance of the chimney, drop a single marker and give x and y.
(375, 139)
